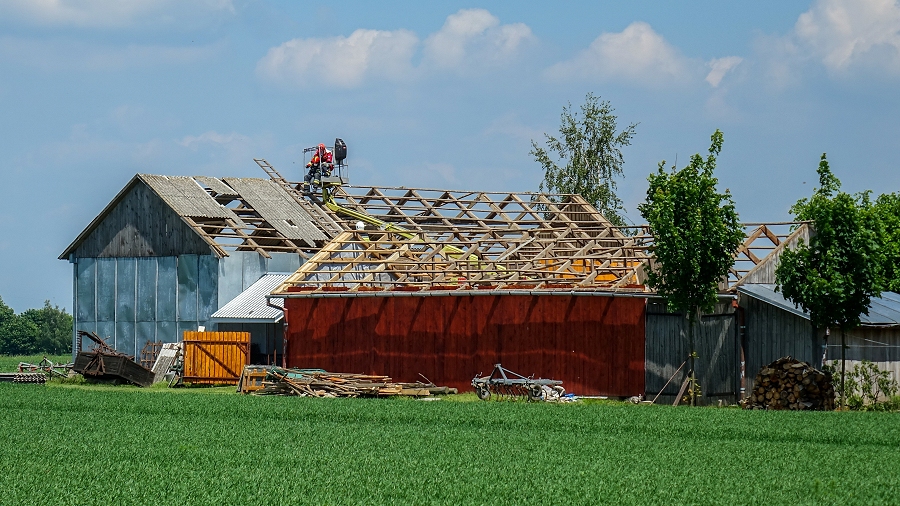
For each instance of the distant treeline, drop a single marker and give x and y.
(45, 330)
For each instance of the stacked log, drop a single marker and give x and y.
(791, 384)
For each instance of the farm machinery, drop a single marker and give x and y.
(504, 383)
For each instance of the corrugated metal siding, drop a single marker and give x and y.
(251, 303)
(595, 345)
(141, 225)
(878, 345)
(130, 301)
(718, 355)
(215, 357)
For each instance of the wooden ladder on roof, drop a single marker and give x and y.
(321, 219)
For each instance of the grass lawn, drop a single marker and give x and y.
(73, 444)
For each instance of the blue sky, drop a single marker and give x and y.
(434, 94)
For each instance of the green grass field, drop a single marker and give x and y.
(70, 444)
(9, 363)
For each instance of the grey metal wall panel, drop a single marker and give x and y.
(125, 339)
(182, 326)
(144, 332)
(107, 332)
(146, 289)
(208, 287)
(231, 271)
(167, 289)
(106, 289)
(126, 284)
(254, 266)
(86, 292)
(188, 270)
(283, 262)
(167, 332)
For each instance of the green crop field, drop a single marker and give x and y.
(10, 363)
(75, 444)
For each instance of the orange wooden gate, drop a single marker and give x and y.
(215, 357)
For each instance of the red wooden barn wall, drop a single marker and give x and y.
(594, 344)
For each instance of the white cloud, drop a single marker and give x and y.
(56, 54)
(843, 33)
(109, 13)
(475, 37)
(720, 67)
(469, 39)
(341, 61)
(637, 54)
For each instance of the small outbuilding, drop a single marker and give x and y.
(775, 328)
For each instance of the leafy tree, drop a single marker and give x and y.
(835, 276)
(695, 234)
(590, 150)
(887, 211)
(54, 326)
(45, 330)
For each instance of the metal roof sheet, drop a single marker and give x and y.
(884, 311)
(217, 186)
(250, 306)
(278, 208)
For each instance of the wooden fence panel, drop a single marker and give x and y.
(215, 357)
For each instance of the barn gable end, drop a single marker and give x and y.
(137, 223)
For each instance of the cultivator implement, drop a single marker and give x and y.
(505, 384)
(48, 367)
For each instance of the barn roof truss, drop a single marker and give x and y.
(458, 259)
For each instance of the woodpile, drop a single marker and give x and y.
(790, 384)
(317, 383)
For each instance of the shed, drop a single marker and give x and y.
(253, 313)
(774, 328)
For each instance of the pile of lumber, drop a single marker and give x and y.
(790, 384)
(319, 383)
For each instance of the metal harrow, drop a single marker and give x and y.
(506, 384)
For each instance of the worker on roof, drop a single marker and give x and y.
(321, 163)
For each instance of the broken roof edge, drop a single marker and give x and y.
(115, 202)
